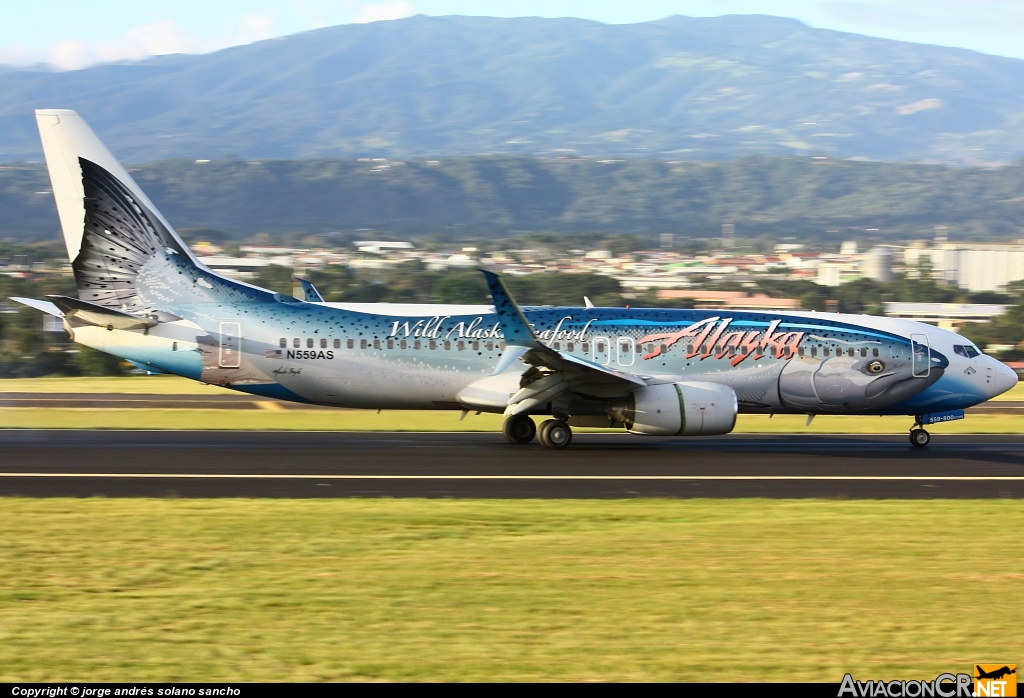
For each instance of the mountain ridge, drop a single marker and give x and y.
(676, 89)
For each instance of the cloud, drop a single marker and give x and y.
(143, 41)
(382, 12)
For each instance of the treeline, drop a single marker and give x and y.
(800, 198)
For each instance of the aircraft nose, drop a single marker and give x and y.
(1003, 378)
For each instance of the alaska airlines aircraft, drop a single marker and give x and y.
(144, 297)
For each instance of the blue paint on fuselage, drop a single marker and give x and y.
(266, 324)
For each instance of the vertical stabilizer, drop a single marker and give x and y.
(123, 252)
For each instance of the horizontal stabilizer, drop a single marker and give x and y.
(45, 306)
(100, 315)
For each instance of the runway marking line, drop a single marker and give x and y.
(276, 476)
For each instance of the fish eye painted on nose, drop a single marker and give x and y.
(875, 367)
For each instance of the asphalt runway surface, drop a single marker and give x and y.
(77, 463)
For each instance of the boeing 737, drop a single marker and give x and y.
(144, 297)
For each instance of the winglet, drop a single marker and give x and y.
(309, 291)
(514, 327)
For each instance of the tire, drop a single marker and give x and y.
(555, 434)
(919, 437)
(519, 429)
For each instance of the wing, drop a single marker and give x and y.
(552, 373)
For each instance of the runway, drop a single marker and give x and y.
(74, 463)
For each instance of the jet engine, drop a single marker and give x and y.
(680, 409)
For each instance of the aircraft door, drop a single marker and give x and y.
(230, 345)
(602, 350)
(625, 351)
(921, 355)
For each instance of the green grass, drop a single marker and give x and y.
(251, 590)
(412, 420)
(157, 385)
(175, 385)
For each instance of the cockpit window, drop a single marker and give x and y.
(967, 351)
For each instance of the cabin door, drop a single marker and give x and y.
(921, 357)
(230, 345)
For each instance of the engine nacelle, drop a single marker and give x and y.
(681, 409)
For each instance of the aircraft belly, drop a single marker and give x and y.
(388, 382)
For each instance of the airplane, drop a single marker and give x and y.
(996, 674)
(144, 297)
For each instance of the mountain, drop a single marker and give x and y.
(495, 195)
(677, 89)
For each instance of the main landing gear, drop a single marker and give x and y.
(519, 429)
(918, 436)
(554, 433)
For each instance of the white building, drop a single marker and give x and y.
(973, 267)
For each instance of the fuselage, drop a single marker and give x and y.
(422, 357)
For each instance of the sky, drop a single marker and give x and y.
(74, 34)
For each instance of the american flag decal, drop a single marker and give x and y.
(273, 354)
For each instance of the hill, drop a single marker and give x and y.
(495, 195)
(677, 89)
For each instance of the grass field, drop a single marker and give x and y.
(249, 590)
(174, 385)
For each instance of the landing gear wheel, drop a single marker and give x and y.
(919, 437)
(519, 429)
(555, 434)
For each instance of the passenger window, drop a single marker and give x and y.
(557, 346)
(433, 344)
(447, 344)
(297, 343)
(416, 344)
(323, 342)
(284, 342)
(362, 343)
(800, 351)
(309, 342)
(664, 348)
(391, 344)
(460, 345)
(350, 343)
(337, 344)
(489, 346)
(850, 352)
(814, 351)
(874, 352)
(825, 351)
(570, 347)
(586, 347)
(863, 351)
(403, 344)
(376, 344)
(476, 346)
(600, 347)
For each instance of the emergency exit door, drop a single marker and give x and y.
(230, 345)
